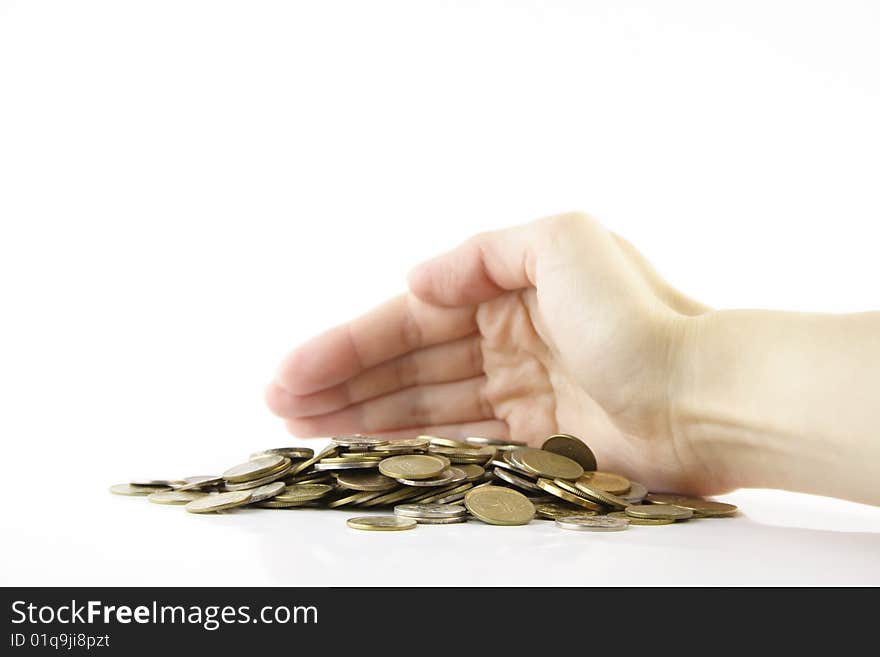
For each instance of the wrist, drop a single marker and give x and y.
(713, 414)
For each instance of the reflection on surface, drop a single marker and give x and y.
(113, 541)
(316, 548)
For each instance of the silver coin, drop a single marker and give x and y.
(358, 441)
(346, 464)
(636, 493)
(430, 510)
(509, 462)
(441, 521)
(408, 445)
(156, 483)
(200, 482)
(593, 523)
(515, 480)
(128, 489)
(457, 474)
(444, 478)
(266, 491)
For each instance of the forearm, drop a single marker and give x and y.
(784, 400)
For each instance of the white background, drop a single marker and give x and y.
(189, 189)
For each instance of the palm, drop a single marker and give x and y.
(536, 390)
(556, 326)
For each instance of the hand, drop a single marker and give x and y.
(554, 326)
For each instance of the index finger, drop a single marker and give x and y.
(403, 324)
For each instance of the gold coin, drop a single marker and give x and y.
(450, 491)
(700, 507)
(354, 498)
(413, 466)
(452, 497)
(546, 464)
(553, 510)
(449, 442)
(449, 476)
(636, 493)
(472, 472)
(302, 492)
(659, 511)
(365, 480)
(353, 456)
(282, 469)
(574, 448)
(406, 445)
(499, 506)
(551, 487)
(266, 491)
(634, 520)
(596, 494)
(382, 523)
(274, 475)
(328, 452)
(130, 489)
(174, 497)
(608, 481)
(506, 462)
(255, 469)
(473, 454)
(274, 504)
(398, 495)
(494, 442)
(218, 502)
(310, 478)
(293, 453)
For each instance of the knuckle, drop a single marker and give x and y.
(560, 229)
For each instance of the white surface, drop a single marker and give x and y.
(81, 535)
(188, 189)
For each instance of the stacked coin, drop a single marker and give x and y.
(435, 480)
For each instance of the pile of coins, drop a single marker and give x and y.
(425, 480)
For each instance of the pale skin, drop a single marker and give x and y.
(561, 326)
